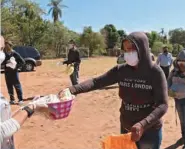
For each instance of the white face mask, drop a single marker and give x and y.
(131, 58)
(2, 57)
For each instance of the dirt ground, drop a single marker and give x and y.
(93, 116)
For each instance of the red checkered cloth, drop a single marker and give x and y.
(60, 110)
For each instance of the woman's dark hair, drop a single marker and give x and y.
(9, 43)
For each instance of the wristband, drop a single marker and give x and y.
(28, 110)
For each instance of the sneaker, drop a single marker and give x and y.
(12, 102)
(21, 102)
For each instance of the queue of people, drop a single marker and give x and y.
(144, 95)
(176, 84)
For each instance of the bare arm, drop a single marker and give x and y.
(21, 115)
(10, 126)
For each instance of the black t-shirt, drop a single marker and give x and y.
(73, 57)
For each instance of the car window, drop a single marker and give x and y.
(21, 51)
(27, 52)
(31, 52)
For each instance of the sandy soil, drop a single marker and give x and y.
(94, 115)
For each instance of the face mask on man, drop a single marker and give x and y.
(131, 58)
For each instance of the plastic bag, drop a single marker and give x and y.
(43, 101)
(12, 63)
(119, 142)
(69, 69)
(66, 95)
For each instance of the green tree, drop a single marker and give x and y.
(121, 33)
(177, 36)
(111, 36)
(162, 31)
(57, 39)
(152, 37)
(56, 8)
(22, 22)
(158, 46)
(176, 49)
(31, 16)
(93, 41)
(163, 36)
(21, 26)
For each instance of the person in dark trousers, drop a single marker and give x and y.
(165, 60)
(142, 88)
(176, 84)
(11, 74)
(74, 59)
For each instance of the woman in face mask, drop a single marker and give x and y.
(142, 88)
(176, 84)
(13, 61)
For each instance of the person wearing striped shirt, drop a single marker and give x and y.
(10, 123)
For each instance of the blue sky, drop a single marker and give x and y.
(129, 15)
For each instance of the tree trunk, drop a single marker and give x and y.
(29, 32)
(90, 52)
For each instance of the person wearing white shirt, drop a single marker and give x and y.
(165, 60)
